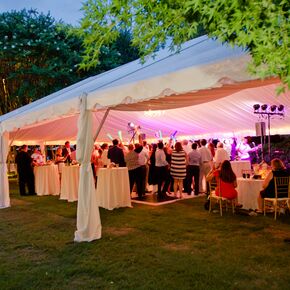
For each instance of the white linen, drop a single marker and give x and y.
(248, 192)
(70, 183)
(89, 226)
(4, 185)
(113, 190)
(46, 180)
(239, 166)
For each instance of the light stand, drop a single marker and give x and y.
(267, 112)
(133, 129)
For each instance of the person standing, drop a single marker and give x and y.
(205, 167)
(178, 168)
(135, 170)
(243, 149)
(116, 154)
(66, 152)
(25, 171)
(104, 157)
(162, 172)
(192, 170)
(220, 155)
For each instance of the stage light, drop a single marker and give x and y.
(273, 108)
(131, 125)
(264, 107)
(256, 107)
(280, 108)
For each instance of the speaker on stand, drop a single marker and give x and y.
(261, 131)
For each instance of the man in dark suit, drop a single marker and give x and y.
(116, 154)
(66, 152)
(25, 171)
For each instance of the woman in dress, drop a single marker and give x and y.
(226, 181)
(178, 168)
(59, 160)
(278, 169)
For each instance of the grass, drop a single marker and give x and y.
(176, 246)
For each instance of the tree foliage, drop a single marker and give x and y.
(261, 26)
(39, 56)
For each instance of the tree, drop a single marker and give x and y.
(261, 26)
(39, 56)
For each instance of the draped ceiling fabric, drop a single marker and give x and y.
(203, 90)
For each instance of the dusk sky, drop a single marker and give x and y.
(67, 10)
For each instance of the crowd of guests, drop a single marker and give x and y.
(182, 168)
(26, 162)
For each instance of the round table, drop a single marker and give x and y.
(248, 192)
(113, 190)
(46, 180)
(70, 183)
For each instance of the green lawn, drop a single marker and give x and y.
(176, 246)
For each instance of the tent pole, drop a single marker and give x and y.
(101, 124)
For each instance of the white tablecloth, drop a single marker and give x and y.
(70, 183)
(113, 188)
(248, 191)
(238, 166)
(47, 180)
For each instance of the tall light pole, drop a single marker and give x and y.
(266, 111)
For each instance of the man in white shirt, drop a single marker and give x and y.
(205, 167)
(186, 146)
(220, 155)
(243, 149)
(143, 161)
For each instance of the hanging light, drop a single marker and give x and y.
(280, 108)
(256, 107)
(264, 107)
(273, 108)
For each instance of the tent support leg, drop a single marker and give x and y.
(101, 124)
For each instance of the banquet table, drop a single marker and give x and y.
(248, 192)
(46, 180)
(113, 190)
(239, 166)
(70, 183)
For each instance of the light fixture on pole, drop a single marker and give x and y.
(265, 111)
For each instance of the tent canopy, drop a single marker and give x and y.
(203, 90)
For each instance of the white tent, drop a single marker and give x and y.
(204, 89)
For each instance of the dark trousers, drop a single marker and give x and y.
(26, 178)
(163, 178)
(143, 179)
(137, 176)
(192, 171)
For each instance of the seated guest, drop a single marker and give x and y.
(278, 169)
(220, 155)
(116, 154)
(226, 181)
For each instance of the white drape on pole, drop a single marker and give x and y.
(89, 226)
(4, 185)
